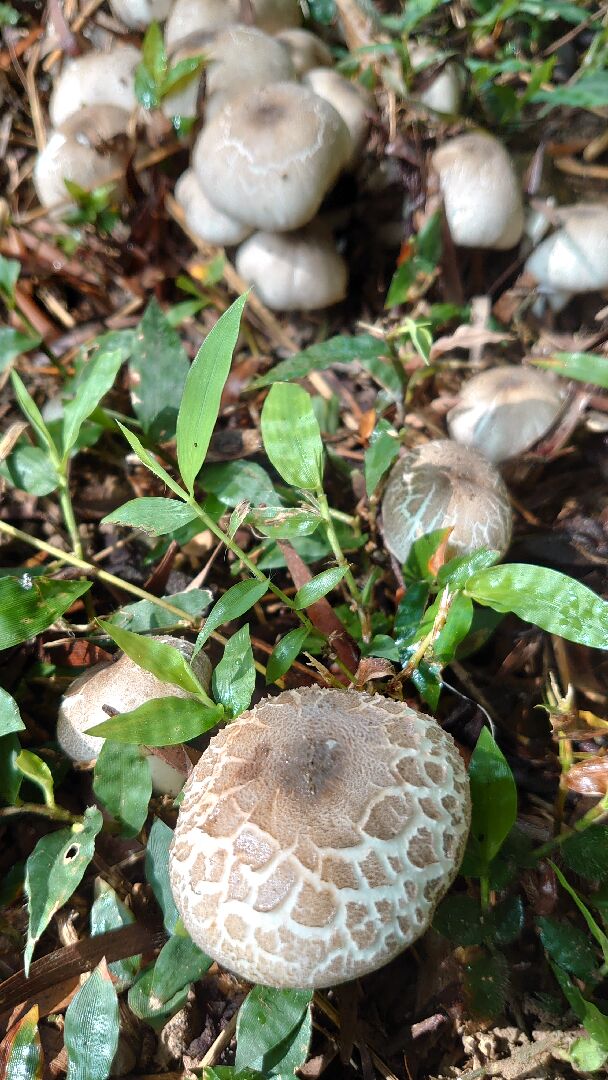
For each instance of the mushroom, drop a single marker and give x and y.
(505, 410)
(203, 218)
(299, 271)
(95, 79)
(138, 14)
(316, 836)
(270, 156)
(190, 18)
(275, 15)
(350, 100)
(307, 51)
(121, 686)
(82, 152)
(443, 92)
(440, 485)
(574, 259)
(242, 58)
(481, 192)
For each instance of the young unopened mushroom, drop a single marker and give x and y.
(350, 100)
(307, 51)
(481, 192)
(204, 219)
(505, 410)
(138, 14)
(444, 91)
(121, 686)
(241, 59)
(95, 79)
(574, 259)
(270, 156)
(441, 484)
(317, 835)
(299, 271)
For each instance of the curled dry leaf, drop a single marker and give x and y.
(589, 777)
(466, 337)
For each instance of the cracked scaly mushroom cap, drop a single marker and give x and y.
(98, 78)
(316, 836)
(442, 484)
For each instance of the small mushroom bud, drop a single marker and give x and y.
(138, 14)
(443, 92)
(351, 101)
(299, 271)
(241, 59)
(504, 411)
(95, 79)
(316, 836)
(441, 485)
(270, 156)
(306, 50)
(574, 259)
(120, 687)
(202, 218)
(481, 192)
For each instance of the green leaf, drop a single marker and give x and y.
(30, 469)
(588, 1055)
(413, 277)
(291, 436)
(234, 676)
(203, 391)
(158, 657)
(13, 343)
(29, 605)
(37, 772)
(54, 870)
(181, 74)
(10, 717)
(337, 350)
(150, 462)
(10, 777)
(144, 615)
(122, 782)
(506, 920)
(153, 53)
(92, 1028)
(97, 379)
(281, 522)
(494, 800)
(157, 872)
(9, 276)
(32, 412)
(555, 602)
(382, 450)
(455, 629)
(234, 482)
(284, 653)
(594, 1021)
(160, 722)
(486, 984)
(595, 930)
(318, 587)
(586, 853)
(273, 1030)
(456, 572)
(568, 946)
(158, 369)
(154, 1013)
(109, 913)
(155, 516)
(234, 603)
(420, 560)
(459, 919)
(146, 89)
(179, 963)
(588, 92)
(586, 367)
(21, 1049)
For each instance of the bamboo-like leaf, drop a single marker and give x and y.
(234, 603)
(92, 1024)
(161, 722)
(291, 435)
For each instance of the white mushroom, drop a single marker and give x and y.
(574, 259)
(444, 91)
(121, 686)
(140, 13)
(191, 18)
(204, 219)
(440, 485)
(78, 154)
(505, 410)
(275, 15)
(95, 79)
(316, 836)
(481, 192)
(298, 271)
(307, 51)
(270, 156)
(241, 59)
(350, 100)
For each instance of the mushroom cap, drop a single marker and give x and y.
(481, 192)
(243, 58)
(350, 100)
(442, 484)
(188, 18)
(505, 410)
(98, 78)
(275, 15)
(123, 686)
(307, 51)
(574, 259)
(270, 156)
(140, 13)
(66, 158)
(203, 218)
(299, 271)
(316, 836)
(444, 92)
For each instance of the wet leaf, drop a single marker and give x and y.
(122, 782)
(92, 1028)
(569, 947)
(21, 1049)
(284, 653)
(157, 872)
(273, 1030)
(291, 436)
(29, 605)
(160, 722)
(234, 676)
(10, 717)
(235, 602)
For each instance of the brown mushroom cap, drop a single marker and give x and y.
(316, 836)
(442, 484)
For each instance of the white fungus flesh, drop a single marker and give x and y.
(574, 258)
(353, 103)
(441, 92)
(502, 412)
(95, 79)
(317, 834)
(299, 271)
(481, 192)
(202, 218)
(442, 485)
(138, 14)
(269, 158)
(306, 50)
(241, 59)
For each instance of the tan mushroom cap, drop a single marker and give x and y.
(299, 271)
(203, 218)
(481, 192)
(316, 836)
(66, 158)
(505, 410)
(307, 51)
(275, 15)
(350, 100)
(140, 13)
(443, 93)
(574, 259)
(270, 156)
(95, 79)
(189, 18)
(241, 59)
(442, 484)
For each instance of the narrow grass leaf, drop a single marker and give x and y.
(585, 367)
(493, 797)
(149, 461)
(10, 717)
(157, 872)
(154, 515)
(161, 722)
(284, 653)
(37, 771)
(273, 1030)
(237, 600)
(158, 657)
(234, 676)
(97, 379)
(109, 913)
(594, 928)
(32, 412)
(21, 1049)
(337, 350)
(92, 1023)
(593, 1020)
(29, 605)
(291, 435)
(123, 783)
(319, 586)
(203, 391)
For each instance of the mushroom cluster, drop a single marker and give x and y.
(316, 836)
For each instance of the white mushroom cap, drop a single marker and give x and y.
(442, 484)
(140, 13)
(505, 410)
(66, 158)
(444, 93)
(307, 51)
(95, 79)
(316, 836)
(350, 100)
(204, 219)
(188, 18)
(481, 192)
(275, 15)
(299, 271)
(270, 156)
(242, 58)
(122, 686)
(574, 259)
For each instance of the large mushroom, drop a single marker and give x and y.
(574, 258)
(84, 152)
(241, 59)
(316, 836)
(299, 271)
(98, 78)
(350, 100)
(306, 50)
